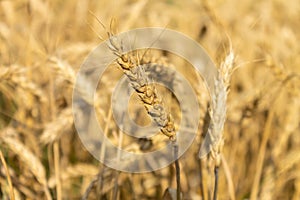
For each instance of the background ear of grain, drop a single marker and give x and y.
(43, 43)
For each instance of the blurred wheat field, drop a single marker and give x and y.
(43, 44)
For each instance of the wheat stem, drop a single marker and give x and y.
(201, 180)
(116, 185)
(89, 189)
(57, 170)
(216, 182)
(11, 188)
(177, 168)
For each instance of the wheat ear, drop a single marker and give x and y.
(132, 68)
(217, 111)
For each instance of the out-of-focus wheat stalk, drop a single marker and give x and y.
(73, 171)
(31, 161)
(15, 76)
(11, 188)
(59, 126)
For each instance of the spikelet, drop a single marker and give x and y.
(9, 137)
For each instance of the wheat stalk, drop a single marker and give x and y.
(55, 129)
(217, 112)
(11, 188)
(15, 76)
(134, 69)
(9, 137)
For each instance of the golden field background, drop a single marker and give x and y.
(42, 45)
